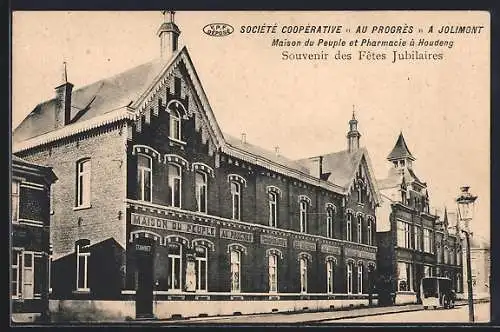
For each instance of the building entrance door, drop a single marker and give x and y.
(144, 250)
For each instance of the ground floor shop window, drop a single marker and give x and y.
(330, 276)
(174, 279)
(350, 266)
(303, 275)
(405, 282)
(235, 271)
(360, 278)
(201, 269)
(273, 273)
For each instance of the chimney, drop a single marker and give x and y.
(63, 100)
(169, 35)
(277, 150)
(243, 138)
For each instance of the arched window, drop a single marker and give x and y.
(201, 268)
(348, 235)
(273, 273)
(174, 266)
(175, 122)
(144, 182)
(304, 207)
(303, 275)
(201, 191)
(83, 183)
(235, 270)
(236, 199)
(369, 235)
(273, 209)
(330, 276)
(350, 266)
(175, 184)
(360, 229)
(360, 278)
(360, 193)
(329, 222)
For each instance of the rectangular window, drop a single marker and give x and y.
(273, 209)
(427, 271)
(174, 267)
(329, 277)
(235, 271)
(201, 191)
(175, 184)
(401, 234)
(405, 277)
(38, 275)
(28, 275)
(83, 183)
(417, 237)
(236, 200)
(82, 257)
(273, 273)
(201, 269)
(303, 275)
(15, 201)
(408, 242)
(144, 185)
(16, 280)
(427, 240)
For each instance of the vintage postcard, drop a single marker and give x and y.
(240, 167)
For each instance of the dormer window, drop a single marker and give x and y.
(175, 124)
(176, 111)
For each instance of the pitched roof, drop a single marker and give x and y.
(342, 167)
(400, 150)
(98, 101)
(257, 150)
(92, 100)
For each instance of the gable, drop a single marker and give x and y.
(362, 175)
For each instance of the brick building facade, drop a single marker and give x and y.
(154, 200)
(30, 221)
(412, 241)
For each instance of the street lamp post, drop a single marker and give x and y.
(466, 207)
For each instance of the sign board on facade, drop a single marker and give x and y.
(235, 235)
(328, 249)
(304, 245)
(273, 241)
(350, 252)
(171, 225)
(143, 248)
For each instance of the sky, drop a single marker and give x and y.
(441, 107)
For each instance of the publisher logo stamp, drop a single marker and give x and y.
(218, 29)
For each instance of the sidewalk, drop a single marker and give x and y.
(300, 317)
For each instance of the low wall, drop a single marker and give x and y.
(119, 311)
(91, 310)
(406, 298)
